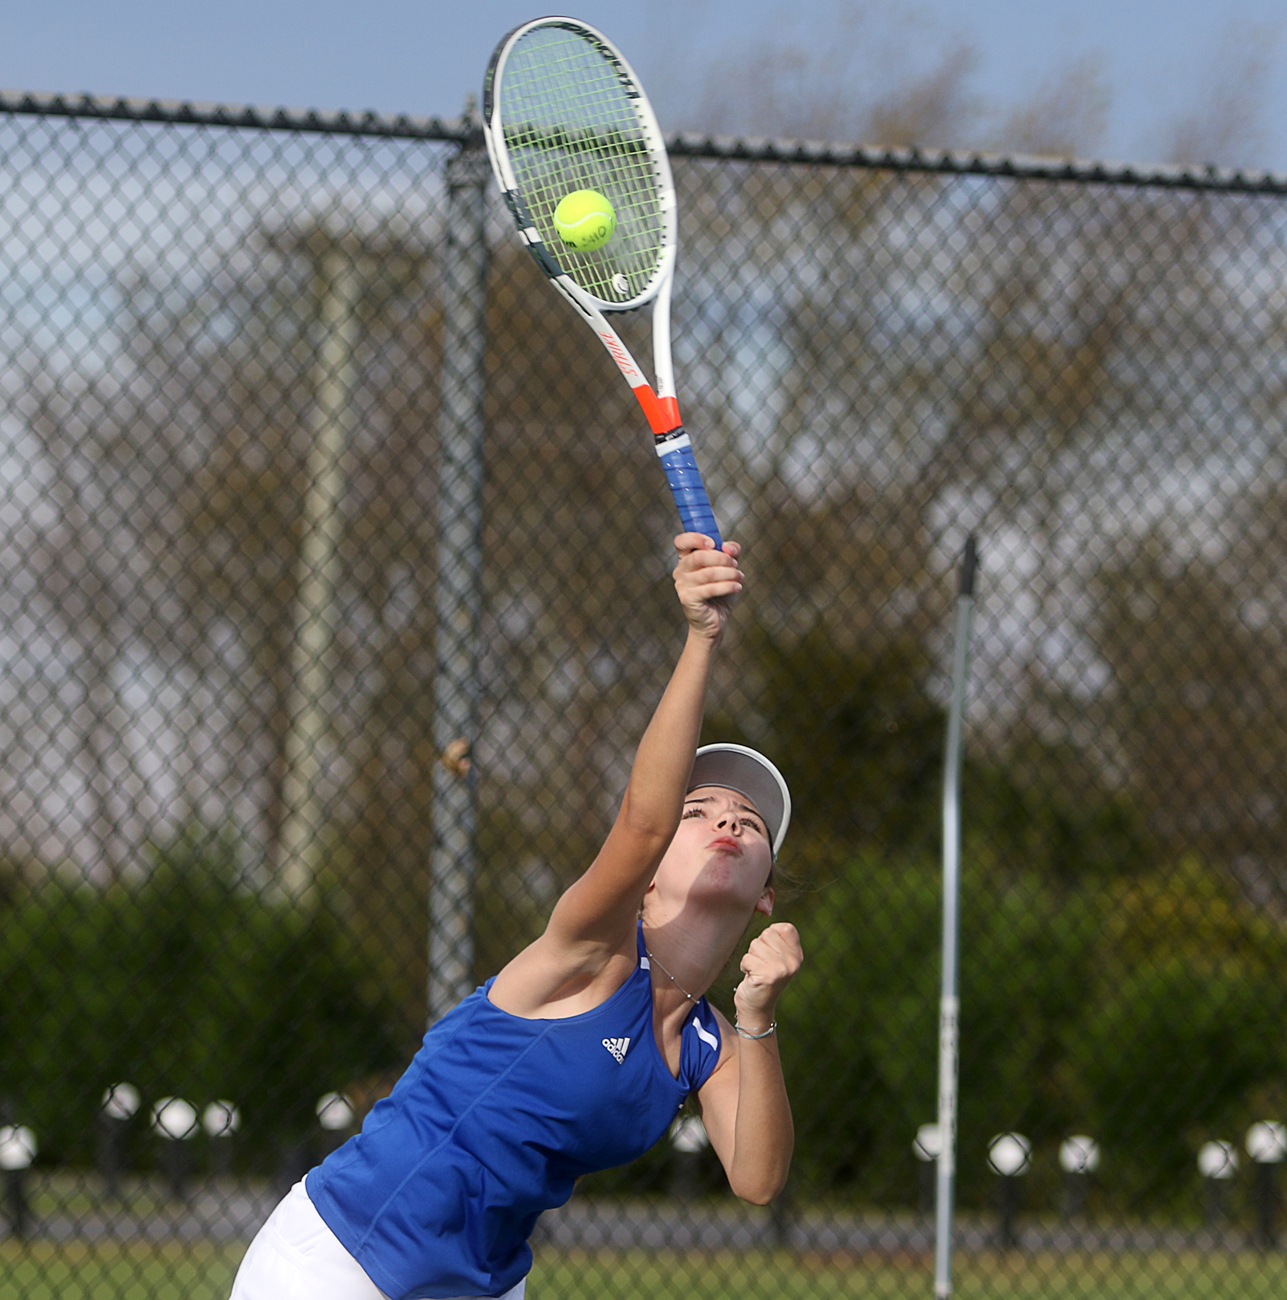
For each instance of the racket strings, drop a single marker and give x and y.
(570, 122)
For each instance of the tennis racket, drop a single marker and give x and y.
(563, 111)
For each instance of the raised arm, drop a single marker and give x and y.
(594, 920)
(601, 906)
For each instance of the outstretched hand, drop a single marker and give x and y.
(708, 582)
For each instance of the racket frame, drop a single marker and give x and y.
(659, 403)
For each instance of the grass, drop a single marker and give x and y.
(778, 1276)
(82, 1270)
(204, 1271)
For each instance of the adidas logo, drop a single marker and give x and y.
(618, 1047)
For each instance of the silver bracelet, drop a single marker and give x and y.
(746, 1033)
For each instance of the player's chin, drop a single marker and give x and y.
(726, 882)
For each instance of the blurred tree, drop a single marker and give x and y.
(1195, 649)
(1140, 1011)
(891, 75)
(886, 75)
(851, 72)
(1223, 121)
(1067, 116)
(182, 472)
(185, 985)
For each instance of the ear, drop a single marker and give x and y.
(765, 904)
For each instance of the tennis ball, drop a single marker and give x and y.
(585, 220)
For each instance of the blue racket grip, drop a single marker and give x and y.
(686, 485)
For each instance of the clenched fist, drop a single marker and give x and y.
(770, 962)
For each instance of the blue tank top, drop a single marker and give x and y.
(494, 1120)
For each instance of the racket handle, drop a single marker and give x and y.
(686, 485)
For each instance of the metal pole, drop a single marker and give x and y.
(1266, 1206)
(949, 1006)
(111, 1154)
(320, 531)
(19, 1203)
(459, 580)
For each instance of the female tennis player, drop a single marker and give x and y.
(579, 1054)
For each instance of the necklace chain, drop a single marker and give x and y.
(670, 977)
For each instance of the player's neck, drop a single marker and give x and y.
(691, 948)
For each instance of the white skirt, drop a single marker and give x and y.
(295, 1256)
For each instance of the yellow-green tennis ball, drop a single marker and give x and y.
(585, 220)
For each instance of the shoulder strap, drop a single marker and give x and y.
(699, 1047)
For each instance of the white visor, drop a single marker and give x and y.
(735, 767)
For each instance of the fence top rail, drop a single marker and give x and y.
(960, 162)
(245, 116)
(687, 144)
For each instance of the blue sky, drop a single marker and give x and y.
(423, 56)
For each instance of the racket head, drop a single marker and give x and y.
(564, 111)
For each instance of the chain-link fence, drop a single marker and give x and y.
(334, 599)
